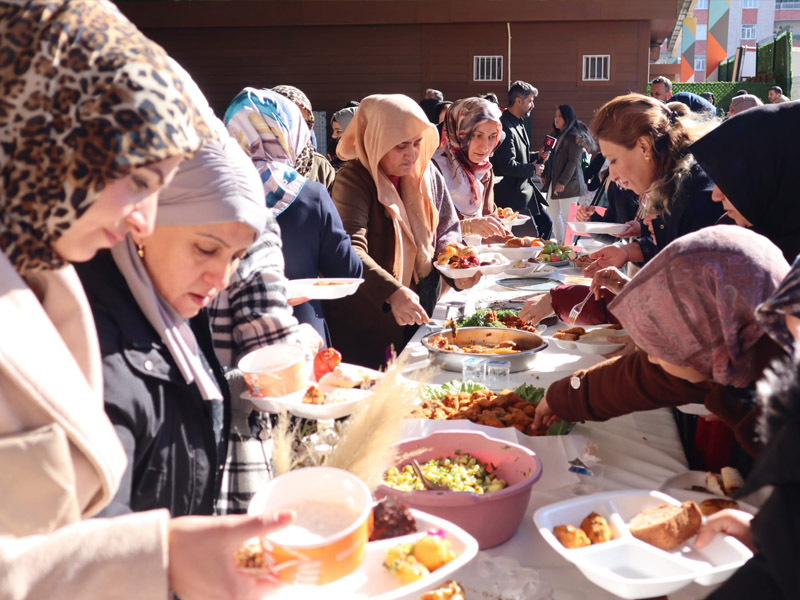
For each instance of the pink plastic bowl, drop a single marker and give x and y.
(489, 518)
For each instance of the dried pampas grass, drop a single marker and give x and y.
(366, 439)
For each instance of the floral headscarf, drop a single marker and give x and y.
(270, 129)
(306, 157)
(86, 99)
(381, 123)
(694, 304)
(466, 181)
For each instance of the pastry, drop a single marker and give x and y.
(666, 526)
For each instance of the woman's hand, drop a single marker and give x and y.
(544, 417)
(610, 256)
(485, 226)
(634, 230)
(297, 301)
(584, 213)
(467, 282)
(558, 188)
(628, 348)
(735, 523)
(537, 308)
(610, 278)
(201, 555)
(406, 308)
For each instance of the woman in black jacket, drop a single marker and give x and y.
(165, 391)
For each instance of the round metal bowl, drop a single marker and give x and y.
(531, 344)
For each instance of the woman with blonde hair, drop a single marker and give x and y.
(645, 142)
(396, 208)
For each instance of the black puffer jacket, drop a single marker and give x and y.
(175, 440)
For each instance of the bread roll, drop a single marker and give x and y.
(666, 526)
(714, 484)
(731, 480)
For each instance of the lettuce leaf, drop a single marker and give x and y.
(451, 387)
(529, 392)
(479, 319)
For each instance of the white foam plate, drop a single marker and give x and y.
(629, 567)
(512, 253)
(293, 403)
(373, 580)
(679, 486)
(592, 345)
(596, 227)
(323, 288)
(499, 262)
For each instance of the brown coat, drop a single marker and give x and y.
(60, 460)
(632, 383)
(362, 326)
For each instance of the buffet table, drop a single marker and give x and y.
(639, 450)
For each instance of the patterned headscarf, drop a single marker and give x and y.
(381, 123)
(466, 181)
(785, 301)
(306, 157)
(271, 130)
(694, 304)
(86, 99)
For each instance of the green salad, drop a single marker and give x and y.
(479, 318)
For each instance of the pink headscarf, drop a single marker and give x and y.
(694, 304)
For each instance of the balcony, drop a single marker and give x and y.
(779, 5)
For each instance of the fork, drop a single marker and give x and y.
(576, 310)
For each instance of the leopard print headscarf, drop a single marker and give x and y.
(84, 99)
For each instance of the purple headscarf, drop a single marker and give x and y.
(694, 304)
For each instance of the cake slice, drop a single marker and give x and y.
(666, 526)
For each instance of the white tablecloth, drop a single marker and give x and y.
(636, 451)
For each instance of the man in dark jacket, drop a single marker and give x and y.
(513, 164)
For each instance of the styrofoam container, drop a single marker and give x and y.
(323, 288)
(597, 345)
(631, 568)
(597, 227)
(499, 262)
(512, 253)
(490, 518)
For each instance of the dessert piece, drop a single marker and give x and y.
(713, 505)
(571, 537)
(666, 526)
(391, 519)
(596, 528)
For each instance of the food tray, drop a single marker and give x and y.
(592, 345)
(500, 263)
(629, 567)
(679, 486)
(523, 253)
(519, 361)
(597, 227)
(323, 288)
(372, 580)
(293, 403)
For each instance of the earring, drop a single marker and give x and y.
(648, 158)
(140, 250)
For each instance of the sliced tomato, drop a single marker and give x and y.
(326, 361)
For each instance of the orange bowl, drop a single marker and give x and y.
(328, 539)
(275, 371)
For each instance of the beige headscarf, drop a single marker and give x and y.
(381, 123)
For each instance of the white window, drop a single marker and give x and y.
(699, 63)
(596, 67)
(750, 4)
(702, 32)
(701, 4)
(487, 68)
(748, 32)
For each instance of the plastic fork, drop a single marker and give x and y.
(576, 310)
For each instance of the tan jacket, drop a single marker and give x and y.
(60, 460)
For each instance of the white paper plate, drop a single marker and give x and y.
(372, 580)
(694, 409)
(679, 486)
(512, 253)
(629, 567)
(592, 345)
(518, 220)
(323, 288)
(500, 262)
(293, 403)
(596, 227)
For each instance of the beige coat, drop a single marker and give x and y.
(60, 460)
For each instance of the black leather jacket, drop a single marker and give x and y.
(175, 441)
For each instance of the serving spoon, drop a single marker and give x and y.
(427, 483)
